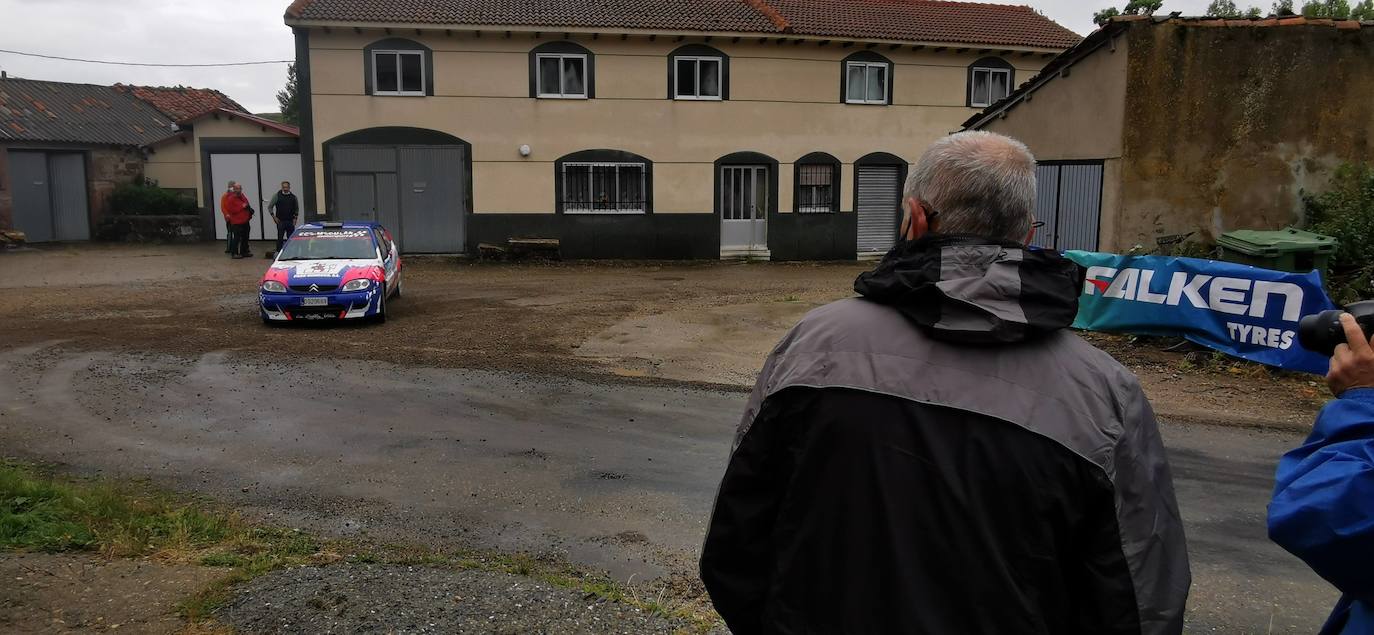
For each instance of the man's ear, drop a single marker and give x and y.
(915, 224)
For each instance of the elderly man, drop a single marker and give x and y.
(941, 455)
(237, 214)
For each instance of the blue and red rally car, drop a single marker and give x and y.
(332, 271)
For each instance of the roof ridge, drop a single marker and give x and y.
(771, 13)
(297, 7)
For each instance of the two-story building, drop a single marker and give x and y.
(643, 128)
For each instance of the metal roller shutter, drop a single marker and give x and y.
(879, 198)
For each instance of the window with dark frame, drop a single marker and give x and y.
(989, 86)
(562, 75)
(698, 77)
(604, 188)
(866, 82)
(398, 73)
(815, 188)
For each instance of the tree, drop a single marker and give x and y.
(1283, 7)
(287, 98)
(1223, 9)
(1256, 12)
(1134, 7)
(1363, 11)
(1334, 9)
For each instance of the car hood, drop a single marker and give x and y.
(331, 271)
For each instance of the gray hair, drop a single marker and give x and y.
(232, 184)
(980, 182)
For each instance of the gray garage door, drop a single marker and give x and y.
(50, 195)
(418, 192)
(1069, 202)
(879, 199)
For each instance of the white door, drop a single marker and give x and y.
(272, 170)
(743, 209)
(242, 168)
(879, 202)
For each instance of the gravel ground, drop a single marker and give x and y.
(401, 599)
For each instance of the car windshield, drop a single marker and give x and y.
(329, 244)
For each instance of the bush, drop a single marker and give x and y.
(135, 199)
(1346, 211)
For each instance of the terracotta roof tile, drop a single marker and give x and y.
(903, 20)
(180, 102)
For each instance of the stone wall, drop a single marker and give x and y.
(1227, 126)
(107, 169)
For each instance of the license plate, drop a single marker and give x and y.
(314, 301)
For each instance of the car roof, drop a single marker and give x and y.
(343, 225)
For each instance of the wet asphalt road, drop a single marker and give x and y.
(610, 475)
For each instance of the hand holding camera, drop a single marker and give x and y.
(1352, 363)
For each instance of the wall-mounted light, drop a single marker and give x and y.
(525, 150)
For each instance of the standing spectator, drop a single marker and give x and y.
(942, 455)
(237, 212)
(228, 227)
(283, 208)
(1323, 507)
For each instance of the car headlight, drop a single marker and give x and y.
(272, 286)
(357, 285)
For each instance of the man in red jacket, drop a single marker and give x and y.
(237, 213)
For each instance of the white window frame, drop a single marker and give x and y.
(400, 81)
(887, 79)
(591, 186)
(973, 99)
(538, 76)
(720, 77)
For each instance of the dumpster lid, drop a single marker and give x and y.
(1256, 242)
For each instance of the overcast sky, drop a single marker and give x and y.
(216, 31)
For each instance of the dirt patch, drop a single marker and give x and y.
(702, 322)
(399, 599)
(45, 593)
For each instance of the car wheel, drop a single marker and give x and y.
(399, 285)
(380, 318)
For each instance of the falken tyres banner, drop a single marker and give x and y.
(1240, 310)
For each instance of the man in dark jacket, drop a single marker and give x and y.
(1323, 507)
(283, 208)
(942, 455)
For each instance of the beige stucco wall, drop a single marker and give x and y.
(784, 102)
(174, 164)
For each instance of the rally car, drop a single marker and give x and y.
(332, 271)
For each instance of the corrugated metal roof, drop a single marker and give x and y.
(900, 20)
(32, 110)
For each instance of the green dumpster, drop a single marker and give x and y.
(1289, 249)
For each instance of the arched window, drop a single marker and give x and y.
(866, 78)
(400, 67)
(698, 72)
(816, 186)
(562, 70)
(603, 182)
(990, 80)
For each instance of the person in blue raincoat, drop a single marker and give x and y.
(1323, 507)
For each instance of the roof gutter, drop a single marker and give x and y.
(494, 28)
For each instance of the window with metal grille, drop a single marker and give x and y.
(866, 82)
(697, 77)
(562, 76)
(990, 85)
(398, 73)
(815, 189)
(604, 188)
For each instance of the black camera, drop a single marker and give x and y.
(1322, 333)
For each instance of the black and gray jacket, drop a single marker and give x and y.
(942, 456)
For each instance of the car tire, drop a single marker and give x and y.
(399, 285)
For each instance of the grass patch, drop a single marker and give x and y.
(43, 512)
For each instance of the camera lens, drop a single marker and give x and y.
(1321, 333)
